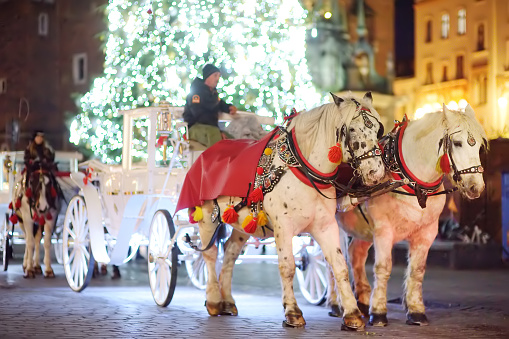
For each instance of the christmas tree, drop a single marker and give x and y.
(154, 49)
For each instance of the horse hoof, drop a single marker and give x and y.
(229, 309)
(116, 275)
(379, 320)
(294, 319)
(288, 325)
(353, 322)
(417, 319)
(214, 309)
(29, 274)
(364, 309)
(104, 270)
(38, 270)
(336, 311)
(49, 274)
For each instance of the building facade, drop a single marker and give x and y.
(461, 56)
(49, 51)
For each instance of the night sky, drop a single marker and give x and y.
(404, 35)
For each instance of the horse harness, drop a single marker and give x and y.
(394, 162)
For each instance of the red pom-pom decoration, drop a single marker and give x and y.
(255, 196)
(49, 216)
(85, 180)
(28, 193)
(259, 170)
(335, 154)
(35, 217)
(251, 226)
(13, 219)
(53, 192)
(230, 216)
(41, 220)
(17, 204)
(445, 165)
(10, 205)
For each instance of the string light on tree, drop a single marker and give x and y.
(154, 49)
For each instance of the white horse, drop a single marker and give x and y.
(293, 180)
(422, 151)
(35, 206)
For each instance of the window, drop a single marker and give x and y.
(462, 21)
(459, 67)
(429, 73)
(480, 37)
(445, 26)
(3, 85)
(79, 68)
(43, 24)
(444, 74)
(428, 30)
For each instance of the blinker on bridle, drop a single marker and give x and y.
(447, 144)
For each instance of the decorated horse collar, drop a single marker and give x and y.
(289, 152)
(395, 163)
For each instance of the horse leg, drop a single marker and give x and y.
(328, 239)
(286, 261)
(382, 269)
(233, 248)
(420, 244)
(332, 295)
(48, 230)
(212, 292)
(29, 249)
(37, 250)
(358, 252)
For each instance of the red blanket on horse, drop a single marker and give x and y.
(226, 168)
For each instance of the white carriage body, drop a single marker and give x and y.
(125, 197)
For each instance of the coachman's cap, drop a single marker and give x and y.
(208, 70)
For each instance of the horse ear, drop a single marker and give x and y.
(336, 99)
(368, 97)
(447, 112)
(469, 111)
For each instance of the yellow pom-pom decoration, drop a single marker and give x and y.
(262, 218)
(198, 214)
(247, 220)
(267, 151)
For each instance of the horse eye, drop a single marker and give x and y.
(352, 130)
(457, 143)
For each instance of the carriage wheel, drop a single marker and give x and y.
(76, 250)
(6, 246)
(162, 260)
(312, 273)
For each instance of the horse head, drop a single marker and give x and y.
(43, 194)
(359, 134)
(462, 143)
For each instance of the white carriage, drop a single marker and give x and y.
(121, 207)
(12, 164)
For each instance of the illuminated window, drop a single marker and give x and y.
(459, 67)
(429, 31)
(445, 26)
(43, 24)
(429, 73)
(480, 37)
(79, 68)
(444, 74)
(462, 21)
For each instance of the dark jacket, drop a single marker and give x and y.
(35, 154)
(203, 105)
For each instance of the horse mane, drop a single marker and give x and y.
(458, 119)
(318, 121)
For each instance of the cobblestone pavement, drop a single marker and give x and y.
(461, 304)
